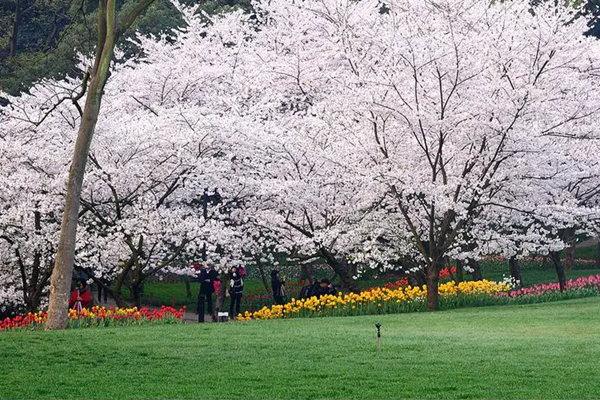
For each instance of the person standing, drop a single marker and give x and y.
(278, 287)
(236, 288)
(208, 275)
(80, 297)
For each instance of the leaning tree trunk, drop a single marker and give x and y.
(342, 269)
(60, 281)
(515, 270)
(263, 277)
(560, 270)
(432, 282)
(108, 33)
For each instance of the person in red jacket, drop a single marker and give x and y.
(80, 298)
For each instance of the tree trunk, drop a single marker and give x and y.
(60, 282)
(136, 294)
(342, 269)
(459, 271)
(417, 278)
(433, 298)
(15, 29)
(188, 288)
(560, 269)
(264, 278)
(570, 255)
(515, 269)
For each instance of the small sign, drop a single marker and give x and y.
(223, 314)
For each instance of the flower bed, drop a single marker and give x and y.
(99, 316)
(400, 298)
(375, 301)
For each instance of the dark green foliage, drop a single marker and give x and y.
(51, 32)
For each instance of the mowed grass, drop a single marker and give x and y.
(547, 350)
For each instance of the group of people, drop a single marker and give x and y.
(209, 284)
(318, 289)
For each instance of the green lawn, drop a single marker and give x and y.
(536, 277)
(536, 351)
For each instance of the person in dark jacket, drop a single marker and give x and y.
(307, 291)
(236, 288)
(208, 275)
(278, 287)
(325, 288)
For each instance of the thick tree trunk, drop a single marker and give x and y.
(560, 269)
(433, 298)
(136, 294)
(515, 269)
(342, 269)
(60, 282)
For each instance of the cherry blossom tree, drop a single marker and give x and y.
(442, 104)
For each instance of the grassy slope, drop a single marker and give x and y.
(536, 351)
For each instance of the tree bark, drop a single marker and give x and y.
(60, 282)
(515, 269)
(264, 278)
(560, 270)
(417, 278)
(136, 294)
(459, 271)
(432, 278)
(342, 269)
(188, 288)
(15, 29)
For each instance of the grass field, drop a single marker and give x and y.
(536, 351)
